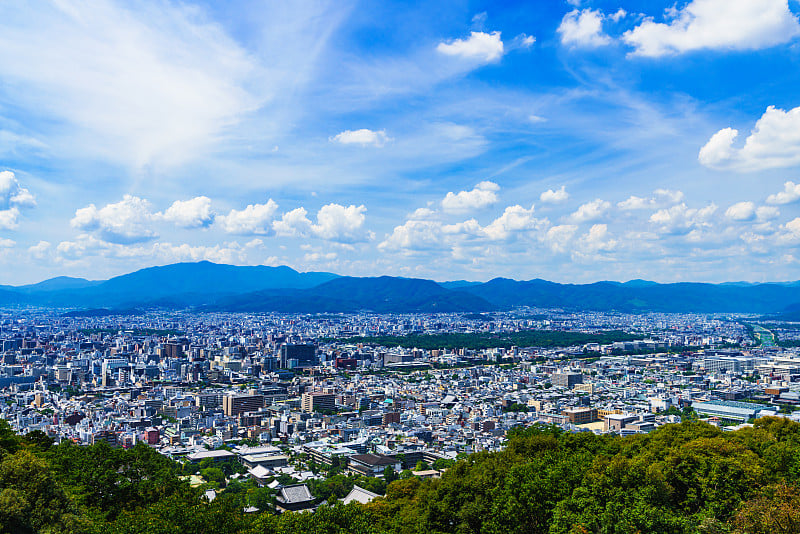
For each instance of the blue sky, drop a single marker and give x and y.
(568, 140)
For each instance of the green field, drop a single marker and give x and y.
(764, 337)
(479, 341)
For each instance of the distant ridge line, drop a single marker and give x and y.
(205, 287)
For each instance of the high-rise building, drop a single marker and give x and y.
(234, 405)
(304, 355)
(311, 402)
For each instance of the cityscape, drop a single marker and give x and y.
(284, 394)
(428, 267)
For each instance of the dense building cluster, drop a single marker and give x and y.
(281, 394)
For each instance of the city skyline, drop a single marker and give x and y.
(573, 141)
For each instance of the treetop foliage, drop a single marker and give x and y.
(686, 478)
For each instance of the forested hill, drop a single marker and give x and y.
(205, 286)
(687, 478)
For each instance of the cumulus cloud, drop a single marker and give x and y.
(39, 250)
(193, 213)
(482, 195)
(7, 243)
(583, 28)
(741, 211)
(554, 196)
(597, 239)
(716, 24)
(790, 193)
(12, 194)
(422, 213)
(793, 226)
(789, 233)
(618, 15)
(680, 219)
(363, 137)
(466, 229)
(255, 219)
(13, 198)
(334, 222)
(421, 234)
(515, 219)
(636, 203)
(479, 46)
(124, 222)
(344, 224)
(9, 219)
(773, 143)
(88, 246)
(767, 213)
(558, 237)
(590, 211)
(414, 235)
(293, 223)
(661, 197)
(523, 41)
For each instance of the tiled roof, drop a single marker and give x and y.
(296, 493)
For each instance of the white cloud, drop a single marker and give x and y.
(414, 235)
(7, 243)
(767, 213)
(741, 211)
(482, 195)
(619, 15)
(469, 228)
(660, 198)
(39, 251)
(718, 149)
(84, 245)
(591, 211)
(193, 213)
(515, 219)
(680, 219)
(343, 224)
(668, 195)
(9, 219)
(790, 193)
(13, 143)
(293, 223)
(789, 233)
(123, 222)
(554, 196)
(793, 226)
(319, 256)
(231, 253)
(524, 41)
(559, 237)
(88, 246)
(479, 46)
(716, 24)
(636, 203)
(583, 28)
(422, 214)
(773, 143)
(12, 194)
(361, 137)
(155, 83)
(424, 234)
(597, 239)
(255, 219)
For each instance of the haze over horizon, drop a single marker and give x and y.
(573, 141)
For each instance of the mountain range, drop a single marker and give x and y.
(208, 287)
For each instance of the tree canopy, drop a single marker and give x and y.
(684, 478)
